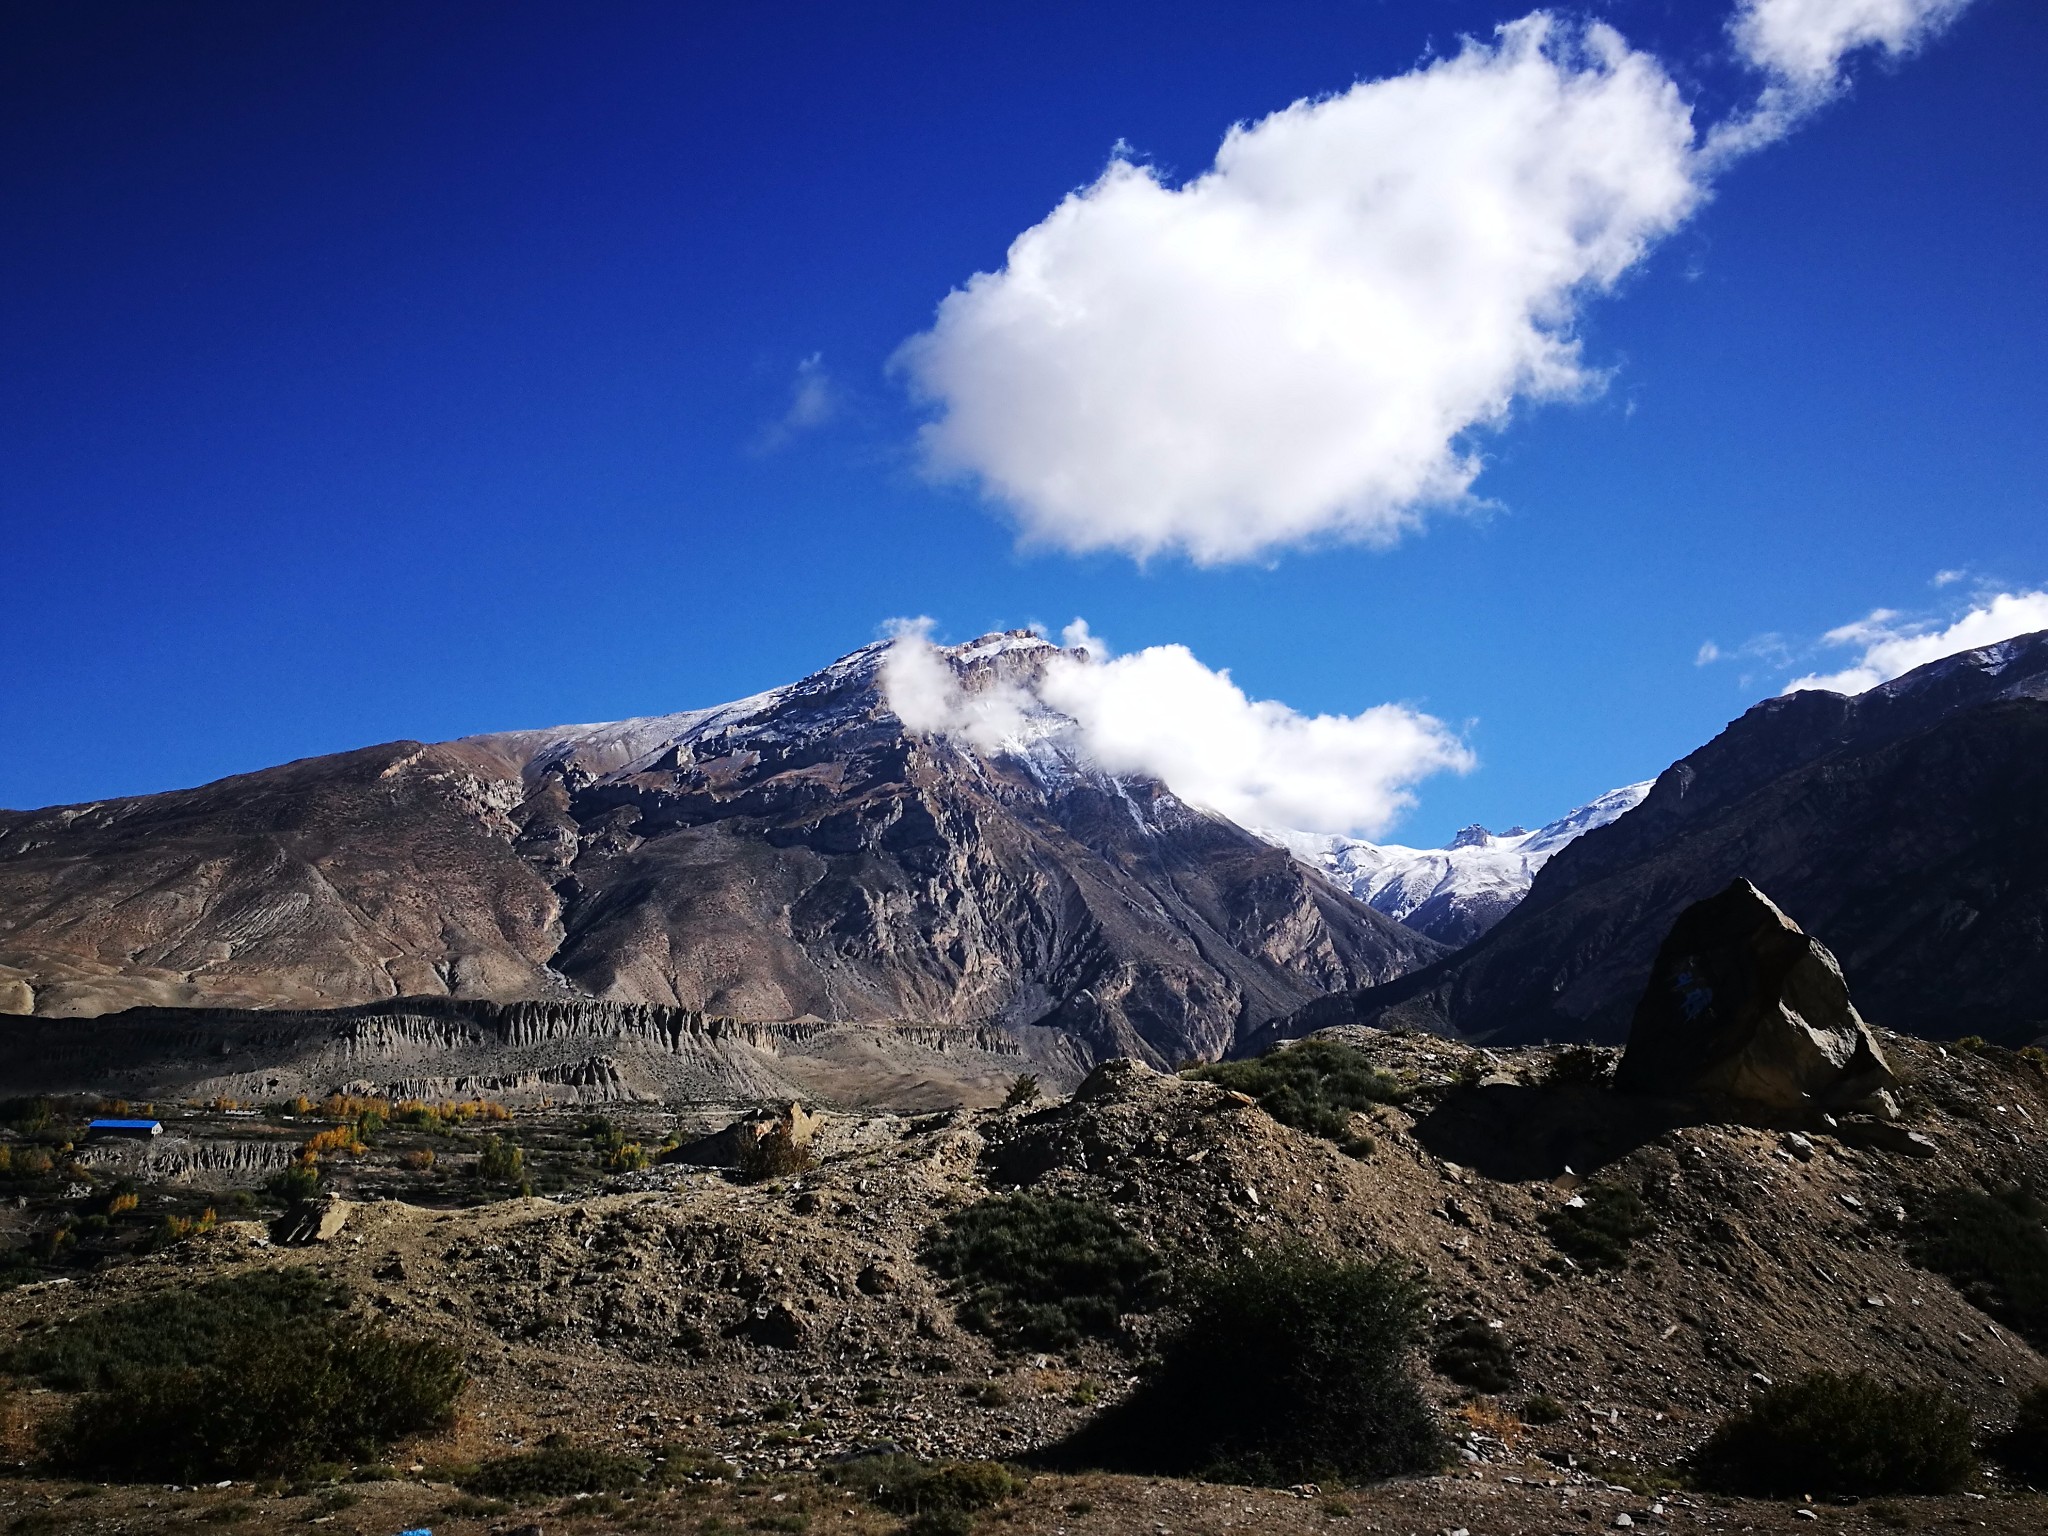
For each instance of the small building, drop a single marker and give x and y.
(133, 1130)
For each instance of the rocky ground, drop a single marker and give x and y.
(787, 1324)
(1489, 1504)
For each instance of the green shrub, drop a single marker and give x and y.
(555, 1471)
(1599, 1233)
(296, 1186)
(499, 1160)
(1023, 1090)
(1991, 1247)
(1540, 1409)
(1474, 1354)
(17, 1267)
(2023, 1449)
(29, 1116)
(1840, 1434)
(171, 1328)
(252, 1375)
(939, 1497)
(1043, 1272)
(1289, 1367)
(1312, 1085)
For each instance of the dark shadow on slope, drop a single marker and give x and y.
(1515, 1133)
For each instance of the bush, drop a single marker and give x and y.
(2023, 1449)
(1312, 1085)
(499, 1160)
(1994, 1249)
(1023, 1090)
(1042, 1272)
(296, 1186)
(939, 1497)
(253, 1375)
(631, 1157)
(1474, 1354)
(1540, 1408)
(1288, 1368)
(775, 1155)
(555, 1471)
(1585, 1065)
(1840, 1434)
(29, 1116)
(1600, 1232)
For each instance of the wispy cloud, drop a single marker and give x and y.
(1802, 47)
(1889, 644)
(813, 401)
(1161, 713)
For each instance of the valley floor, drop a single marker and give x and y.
(786, 1325)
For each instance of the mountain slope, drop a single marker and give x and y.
(1906, 828)
(1457, 892)
(798, 853)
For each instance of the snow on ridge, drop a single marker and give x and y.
(623, 746)
(1467, 885)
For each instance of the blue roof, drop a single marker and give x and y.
(122, 1125)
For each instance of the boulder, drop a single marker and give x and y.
(1744, 1005)
(1113, 1079)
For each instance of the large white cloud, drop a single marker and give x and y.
(1890, 648)
(1296, 344)
(1304, 343)
(1160, 712)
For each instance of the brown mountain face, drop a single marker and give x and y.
(1905, 828)
(795, 854)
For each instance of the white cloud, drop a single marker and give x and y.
(1161, 713)
(1802, 46)
(1948, 578)
(925, 692)
(1891, 648)
(1708, 654)
(1297, 344)
(1078, 637)
(1805, 41)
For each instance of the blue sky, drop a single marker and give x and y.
(380, 371)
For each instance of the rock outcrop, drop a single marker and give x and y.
(1744, 1005)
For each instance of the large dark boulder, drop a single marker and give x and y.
(1744, 1005)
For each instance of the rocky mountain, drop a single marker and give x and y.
(1906, 828)
(1456, 892)
(797, 854)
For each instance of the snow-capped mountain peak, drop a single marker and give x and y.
(1457, 892)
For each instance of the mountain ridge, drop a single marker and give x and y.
(798, 852)
(1899, 826)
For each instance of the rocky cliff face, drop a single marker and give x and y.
(1902, 827)
(799, 853)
